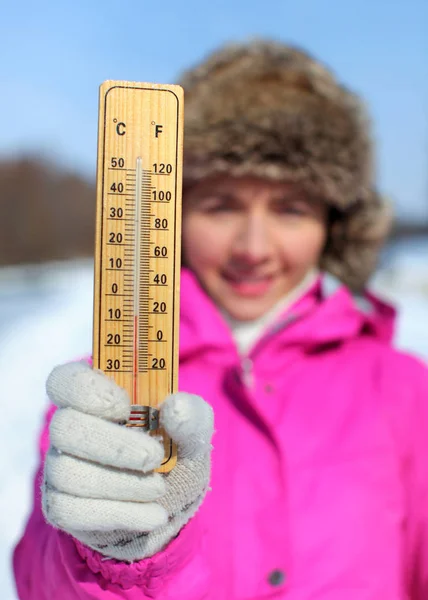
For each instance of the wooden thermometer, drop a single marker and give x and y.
(137, 245)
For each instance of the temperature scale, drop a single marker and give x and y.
(137, 246)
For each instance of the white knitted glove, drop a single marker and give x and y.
(97, 481)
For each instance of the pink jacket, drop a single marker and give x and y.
(320, 470)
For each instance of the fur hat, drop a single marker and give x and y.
(271, 110)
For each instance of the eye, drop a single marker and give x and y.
(291, 208)
(216, 205)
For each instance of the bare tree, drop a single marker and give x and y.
(46, 213)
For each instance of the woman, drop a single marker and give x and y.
(319, 476)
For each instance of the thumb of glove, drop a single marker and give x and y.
(189, 421)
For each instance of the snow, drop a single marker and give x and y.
(46, 319)
(403, 281)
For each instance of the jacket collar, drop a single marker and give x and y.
(327, 313)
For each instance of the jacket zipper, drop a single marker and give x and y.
(247, 372)
(247, 361)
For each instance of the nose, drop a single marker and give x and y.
(253, 242)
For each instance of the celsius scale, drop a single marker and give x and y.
(137, 246)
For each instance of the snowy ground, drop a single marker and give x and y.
(46, 319)
(403, 281)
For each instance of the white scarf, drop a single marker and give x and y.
(247, 333)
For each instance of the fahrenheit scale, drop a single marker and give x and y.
(137, 245)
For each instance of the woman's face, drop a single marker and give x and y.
(250, 241)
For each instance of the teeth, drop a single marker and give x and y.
(247, 279)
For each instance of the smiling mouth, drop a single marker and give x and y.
(249, 285)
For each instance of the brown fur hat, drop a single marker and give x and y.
(271, 110)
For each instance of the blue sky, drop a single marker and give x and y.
(55, 55)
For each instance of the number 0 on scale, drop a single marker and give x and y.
(137, 245)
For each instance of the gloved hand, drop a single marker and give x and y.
(98, 485)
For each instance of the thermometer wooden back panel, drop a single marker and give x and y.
(138, 242)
